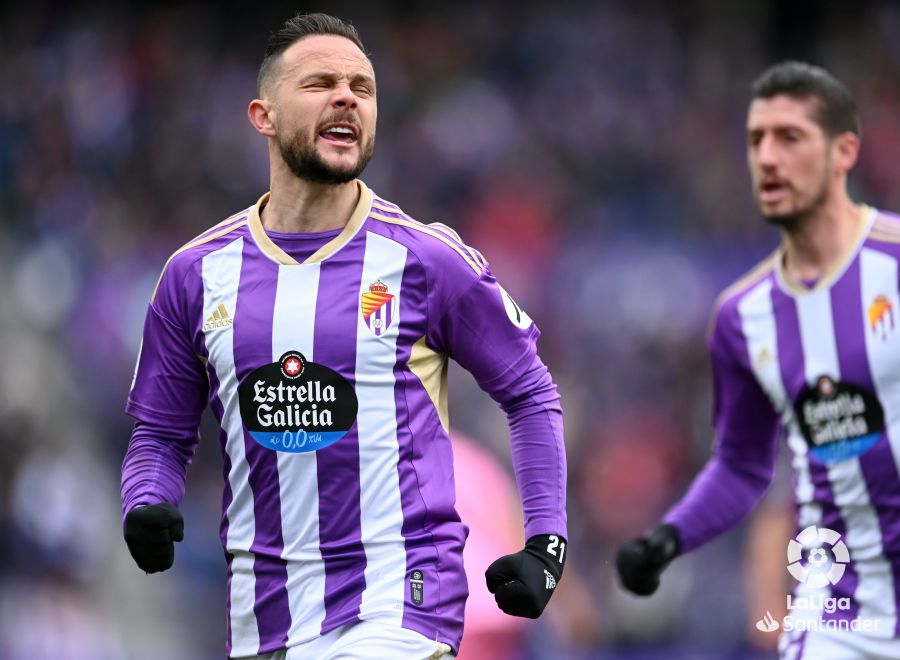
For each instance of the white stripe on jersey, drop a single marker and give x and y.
(878, 277)
(875, 592)
(221, 274)
(381, 511)
(758, 325)
(293, 329)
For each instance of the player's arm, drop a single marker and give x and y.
(166, 399)
(486, 332)
(732, 482)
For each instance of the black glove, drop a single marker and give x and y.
(149, 532)
(522, 583)
(641, 562)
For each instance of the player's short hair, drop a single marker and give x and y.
(296, 28)
(835, 110)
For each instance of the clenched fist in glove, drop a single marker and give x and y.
(150, 531)
(522, 583)
(642, 561)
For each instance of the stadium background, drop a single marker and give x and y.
(594, 153)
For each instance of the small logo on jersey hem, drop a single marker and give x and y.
(378, 307)
(417, 587)
(218, 319)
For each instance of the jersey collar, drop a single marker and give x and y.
(268, 246)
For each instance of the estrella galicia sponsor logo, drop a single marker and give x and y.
(297, 406)
(839, 420)
(417, 587)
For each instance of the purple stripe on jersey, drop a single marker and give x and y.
(791, 361)
(434, 536)
(252, 329)
(877, 465)
(340, 527)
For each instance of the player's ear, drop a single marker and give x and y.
(260, 113)
(845, 150)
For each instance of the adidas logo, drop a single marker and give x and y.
(551, 581)
(219, 319)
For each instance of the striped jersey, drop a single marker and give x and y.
(328, 376)
(822, 364)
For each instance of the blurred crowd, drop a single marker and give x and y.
(593, 152)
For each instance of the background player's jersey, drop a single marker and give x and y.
(328, 378)
(825, 362)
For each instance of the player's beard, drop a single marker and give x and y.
(301, 156)
(796, 217)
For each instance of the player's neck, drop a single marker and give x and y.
(299, 207)
(821, 240)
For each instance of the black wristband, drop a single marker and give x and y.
(552, 549)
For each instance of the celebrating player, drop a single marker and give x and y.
(317, 324)
(807, 345)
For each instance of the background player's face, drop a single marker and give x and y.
(789, 157)
(325, 109)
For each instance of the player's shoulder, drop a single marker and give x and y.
(434, 244)
(210, 240)
(885, 231)
(726, 305)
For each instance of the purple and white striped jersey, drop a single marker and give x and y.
(328, 377)
(821, 366)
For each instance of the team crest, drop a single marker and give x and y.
(378, 307)
(881, 316)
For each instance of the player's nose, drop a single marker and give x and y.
(766, 152)
(344, 97)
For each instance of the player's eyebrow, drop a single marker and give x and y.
(778, 129)
(331, 75)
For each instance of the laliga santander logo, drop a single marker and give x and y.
(816, 573)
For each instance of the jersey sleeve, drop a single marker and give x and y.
(742, 465)
(170, 385)
(478, 324)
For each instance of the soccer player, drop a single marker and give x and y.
(317, 324)
(807, 345)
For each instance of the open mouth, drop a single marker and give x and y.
(772, 189)
(339, 133)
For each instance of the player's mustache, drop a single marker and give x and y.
(345, 118)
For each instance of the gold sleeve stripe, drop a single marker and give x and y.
(447, 229)
(385, 205)
(886, 226)
(228, 220)
(431, 232)
(200, 241)
(884, 237)
(205, 236)
(754, 275)
(475, 254)
(884, 232)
